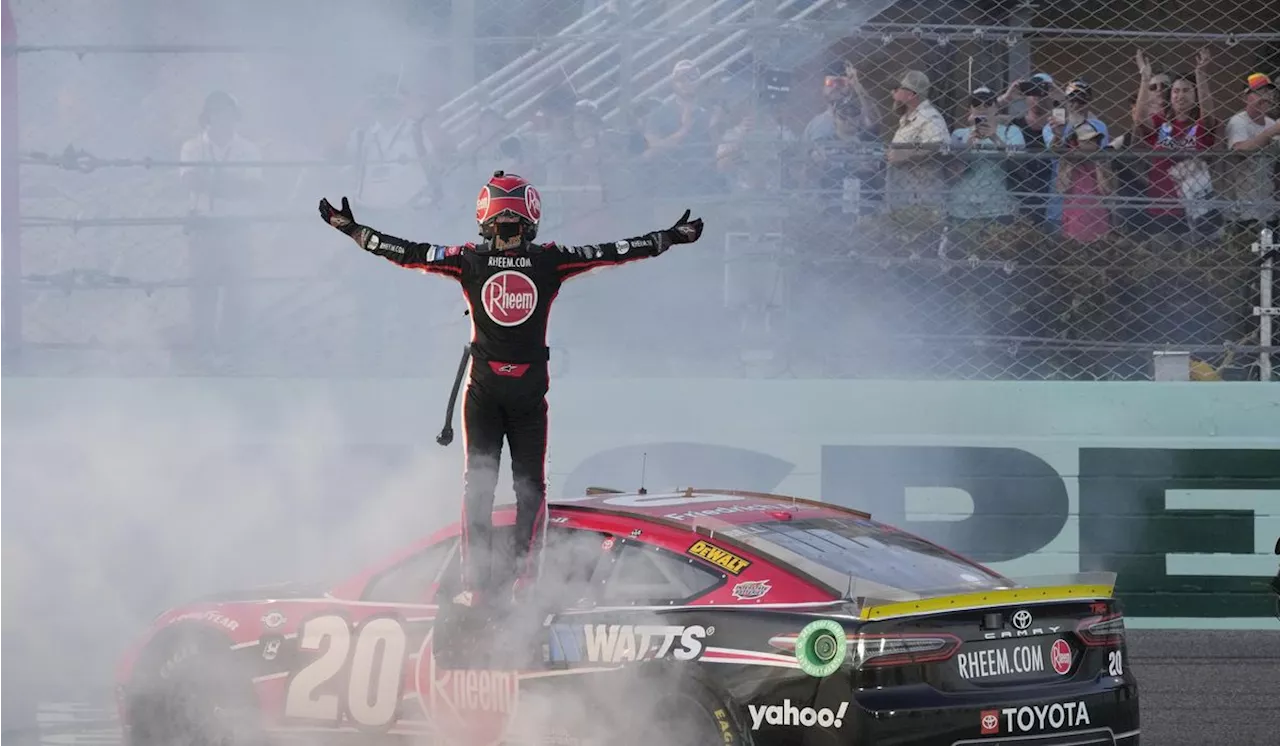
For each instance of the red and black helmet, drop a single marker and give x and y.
(510, 195)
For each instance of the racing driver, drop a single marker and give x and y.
(509, 283)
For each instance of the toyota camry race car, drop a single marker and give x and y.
(699, 616)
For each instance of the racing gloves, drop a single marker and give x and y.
(685, 230)
(366, 238)
(342, 219)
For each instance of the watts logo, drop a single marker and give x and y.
(731, 562)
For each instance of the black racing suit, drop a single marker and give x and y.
(509, 293)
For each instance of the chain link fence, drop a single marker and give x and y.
(987, 190)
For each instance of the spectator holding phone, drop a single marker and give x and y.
(1064, 120)
(1033, 177)
(981, 189)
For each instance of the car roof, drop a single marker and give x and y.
(691, 507)
(697, 510)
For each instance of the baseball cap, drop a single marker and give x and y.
(1258, 81)
(982, 96)
(685, 69)
(916, 82)
(1078, 88)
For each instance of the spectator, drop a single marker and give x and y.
(1033, 176)
(1251, 133)
(1188, 127)
(1158, 101)
(1130, 171)
(752, 153)
(981, 189)
(678, 136)
(915, 174)
(1062, 122)
(218, 249)
(397, 164)
(587, 160)
(493, 149)
(554, 146)
(847, 160)
(1084, 183)
(847, 93)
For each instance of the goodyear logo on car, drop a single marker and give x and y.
(723, 558)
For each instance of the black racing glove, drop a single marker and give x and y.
(685, 230)
(342, 219)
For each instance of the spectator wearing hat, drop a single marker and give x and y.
(219, 249)
(915, 175)
(680, 150)
(846, 93)
(1179, 188)
(1032, 178)
(980, 190)
(1078, 96)
(840, 143)
(1250, 132)
(1084, 185)
(396, 163)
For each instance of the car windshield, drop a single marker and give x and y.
(865, 557)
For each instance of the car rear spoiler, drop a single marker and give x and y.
(1095, 586)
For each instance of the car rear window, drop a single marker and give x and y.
(866, 550)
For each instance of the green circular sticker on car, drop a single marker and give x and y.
(821, 647)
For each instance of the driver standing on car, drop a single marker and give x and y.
(509, 283)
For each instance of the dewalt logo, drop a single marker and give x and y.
(730, 562)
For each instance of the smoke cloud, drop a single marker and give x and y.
(140, 498)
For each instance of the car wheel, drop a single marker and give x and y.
(694, 718)
(192, 695)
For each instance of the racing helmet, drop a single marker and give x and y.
(508, 194)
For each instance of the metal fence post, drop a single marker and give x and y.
(12, 232)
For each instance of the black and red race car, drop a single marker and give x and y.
(698, 616)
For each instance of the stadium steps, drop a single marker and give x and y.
(592, 66)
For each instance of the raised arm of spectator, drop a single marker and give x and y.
(1142, 102)
(871, 114)
(1204, 88)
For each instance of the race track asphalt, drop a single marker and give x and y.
(1208, 687)
(1197, 688)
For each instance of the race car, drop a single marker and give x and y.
(691, 616)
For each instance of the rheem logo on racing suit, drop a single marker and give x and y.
(509, 298)
(618, 643)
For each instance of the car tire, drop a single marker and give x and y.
(692, 717)
(191, 694)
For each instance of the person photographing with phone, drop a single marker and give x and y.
(980, 172)
(1032, 177)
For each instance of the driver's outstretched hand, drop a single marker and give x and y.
(685, 230)
(342, 219)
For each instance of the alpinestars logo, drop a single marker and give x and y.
(788, 714)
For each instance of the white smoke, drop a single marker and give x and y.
(124, 497)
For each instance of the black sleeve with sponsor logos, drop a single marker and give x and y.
(427, 257)
(584, 258)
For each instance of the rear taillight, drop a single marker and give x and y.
(870, 651)
(1099, 631)
(879, 651)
